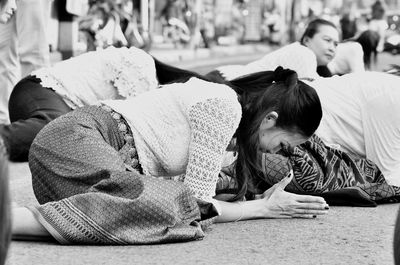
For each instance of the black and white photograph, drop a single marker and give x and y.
(199, 132)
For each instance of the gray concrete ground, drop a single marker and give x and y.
(347, 235)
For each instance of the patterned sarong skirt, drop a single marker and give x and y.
(83, 178)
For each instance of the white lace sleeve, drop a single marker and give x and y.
(213, 123)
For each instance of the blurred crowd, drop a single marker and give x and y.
(194, 23)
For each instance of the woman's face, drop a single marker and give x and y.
(323, 43)
(271, 137)
(7, 11)
(271, 141)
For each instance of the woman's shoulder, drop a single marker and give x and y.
(208, 88)
(294, 56)
(136, 51)
(348, 48)
(213, 102)
(295, 48)
(197, 82)
(89, 59)
(290, 55)
(197, 91)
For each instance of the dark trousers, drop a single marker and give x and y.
(31, 107)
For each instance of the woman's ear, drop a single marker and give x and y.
(269, 120)
(305, 40)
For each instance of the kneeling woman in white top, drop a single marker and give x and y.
(98, 171)
(361, 114)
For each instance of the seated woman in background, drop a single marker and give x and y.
(349, 58)
(309, 57)
(355, 55)
(98, 171)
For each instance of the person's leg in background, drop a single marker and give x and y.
(9, 65)
(5, 214)
(32, 17)
(31, 108)
(396, 240)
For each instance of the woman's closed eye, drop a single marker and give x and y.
(330, 40)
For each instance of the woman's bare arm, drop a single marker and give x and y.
(274, 203)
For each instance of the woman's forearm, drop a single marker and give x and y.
(273, 203)
(236, 211)
(24, 223)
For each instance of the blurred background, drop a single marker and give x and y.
(77, 26)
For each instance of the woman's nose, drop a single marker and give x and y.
(332, 47)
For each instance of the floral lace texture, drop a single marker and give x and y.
(113, 73)
(213, 124)
(132, 77)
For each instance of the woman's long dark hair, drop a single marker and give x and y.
(299, 110)
(5, 215)
(167, 74)
(369, 40)
(297, 104)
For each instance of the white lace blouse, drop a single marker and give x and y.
(183, 129)
(111, 73)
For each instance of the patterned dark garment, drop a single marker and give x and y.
(83, 177)
(340, 178)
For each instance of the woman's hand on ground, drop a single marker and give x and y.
(277, 203)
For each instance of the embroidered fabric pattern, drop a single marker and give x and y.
(213, 124)
(128, 151)
(87, 196)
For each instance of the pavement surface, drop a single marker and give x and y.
(346, 235)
